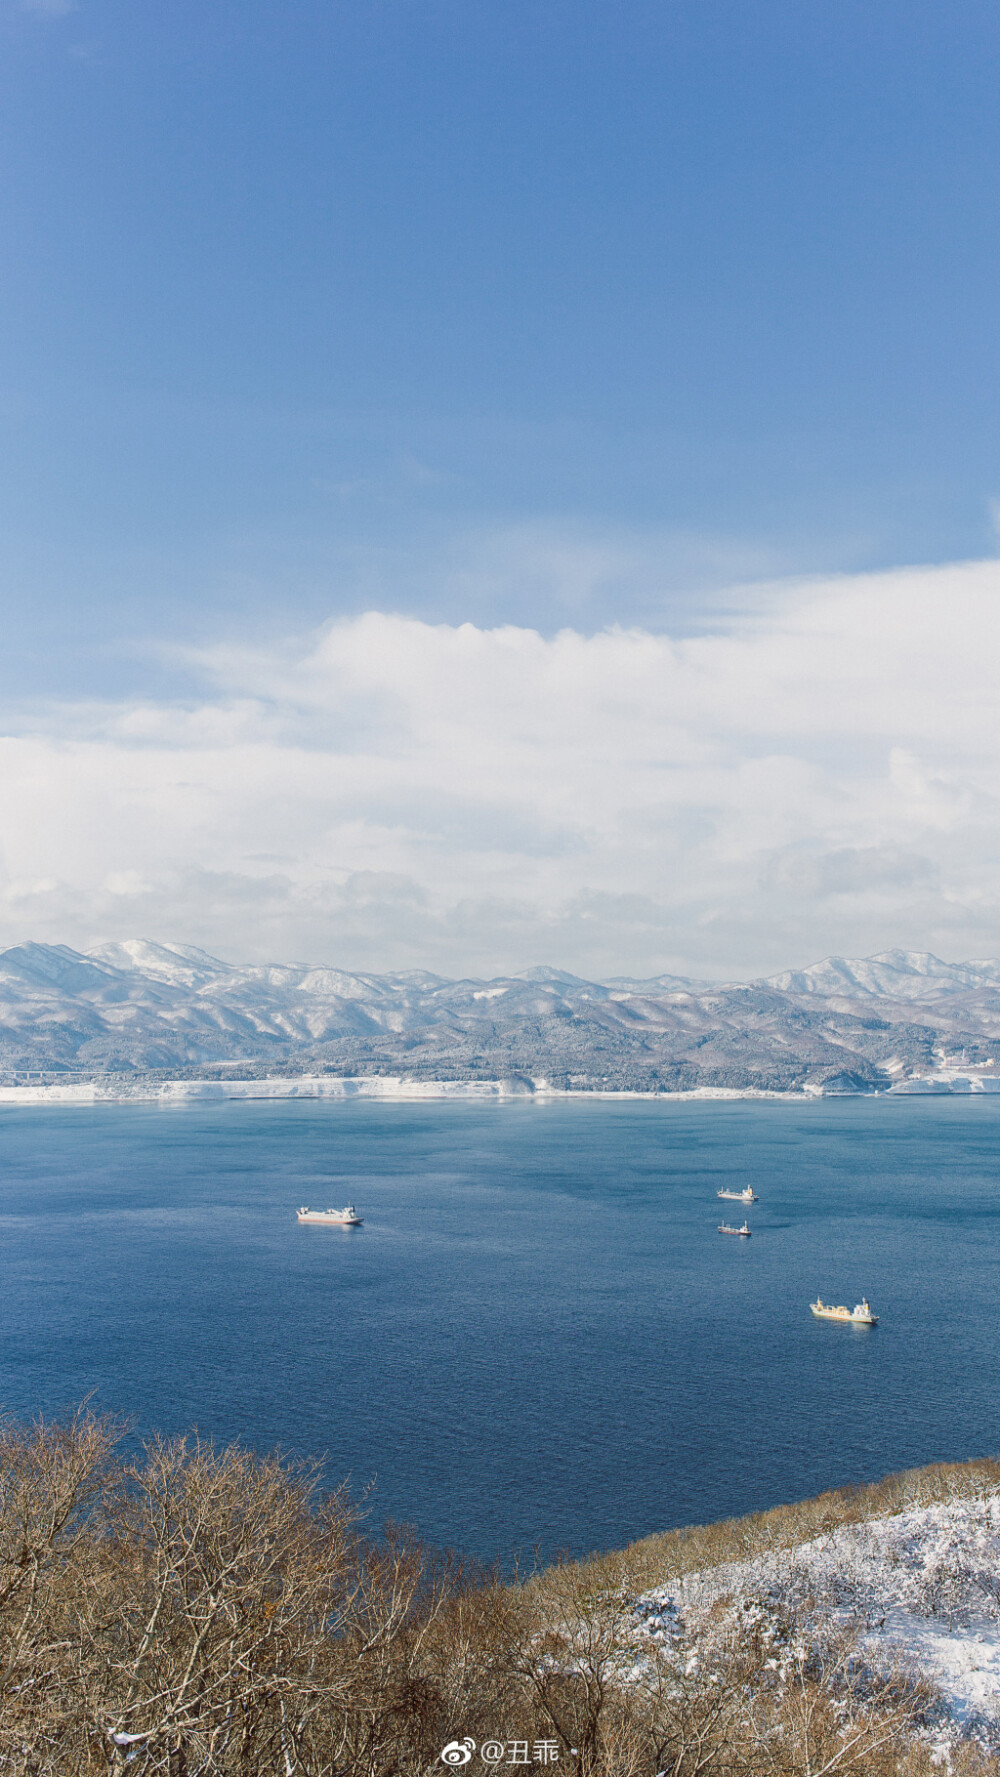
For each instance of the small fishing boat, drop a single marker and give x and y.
(724, 1228)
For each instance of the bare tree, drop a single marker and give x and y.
(217, 1658)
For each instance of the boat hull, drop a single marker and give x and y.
(316, 1215)
(844, 1320)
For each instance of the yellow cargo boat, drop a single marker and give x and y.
(861, 1317)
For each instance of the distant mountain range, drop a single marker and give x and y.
(845, 1024)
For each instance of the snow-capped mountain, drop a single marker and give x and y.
(141, 1006)
(893, 975)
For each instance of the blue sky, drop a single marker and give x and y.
(551, 315)
(295, 290)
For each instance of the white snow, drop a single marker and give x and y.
(301, 1086)
(119, 1091)
(892, 974)
(920, 1588)
(947, 1080)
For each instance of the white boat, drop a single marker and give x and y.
(861, 1317)
(724, 1228)
(333, 1218)
(747, 1196)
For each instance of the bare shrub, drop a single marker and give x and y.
(828, 1713)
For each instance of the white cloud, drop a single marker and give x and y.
(824, 774)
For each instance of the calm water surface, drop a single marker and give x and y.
(537, 1339)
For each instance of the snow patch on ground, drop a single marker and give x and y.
(921, 1589)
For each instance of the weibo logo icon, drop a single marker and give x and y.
(458, 1752)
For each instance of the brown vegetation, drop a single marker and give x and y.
(206, 1613)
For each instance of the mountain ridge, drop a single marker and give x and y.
(141, 1006)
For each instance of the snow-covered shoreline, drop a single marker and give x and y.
(384, 1086)
(118, 1090)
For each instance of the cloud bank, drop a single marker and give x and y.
(819, 775)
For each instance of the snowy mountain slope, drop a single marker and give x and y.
(138, 1005)
(896, 976)
(893, 974)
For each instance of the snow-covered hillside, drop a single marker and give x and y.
(842, 1024)
(919, 1590)
(893, 975)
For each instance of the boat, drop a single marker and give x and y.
(333, 1218)
(747, 1196)
(862, 1315)
(724, 1228)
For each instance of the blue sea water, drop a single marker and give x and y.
(537, 1341)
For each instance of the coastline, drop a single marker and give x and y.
(368, 1086)
(395, 1087)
